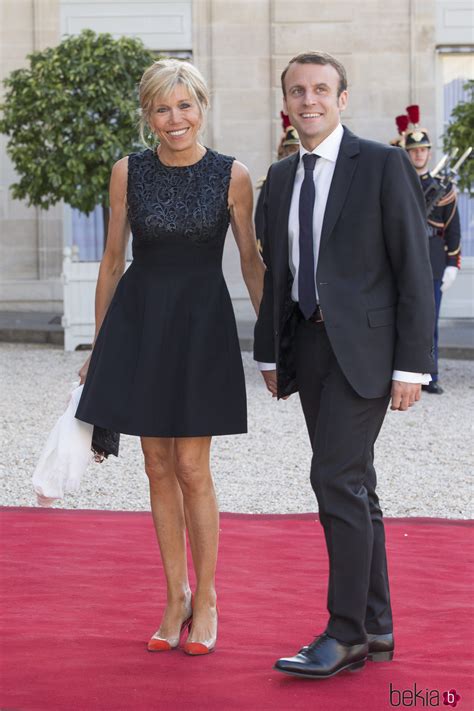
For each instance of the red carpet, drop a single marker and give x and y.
(83, 591)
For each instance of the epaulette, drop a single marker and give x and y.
(260, 183)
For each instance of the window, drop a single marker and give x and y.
(457, 67)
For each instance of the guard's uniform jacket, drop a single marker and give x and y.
(444, 230)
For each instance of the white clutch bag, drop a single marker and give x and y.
(65, 456)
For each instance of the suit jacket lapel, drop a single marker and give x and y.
(345, 165)
(286, 192)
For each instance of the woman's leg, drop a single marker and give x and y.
(168, 517)
(202, 520)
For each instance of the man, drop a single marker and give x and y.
(347, 299)
(444, 232)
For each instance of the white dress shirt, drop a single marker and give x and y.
(327, 153)
(322, 176)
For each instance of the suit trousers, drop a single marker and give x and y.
(343, 428)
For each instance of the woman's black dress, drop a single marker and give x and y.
(167, 361)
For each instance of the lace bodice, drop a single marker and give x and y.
(189, 201)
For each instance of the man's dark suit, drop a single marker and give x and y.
(375, 290)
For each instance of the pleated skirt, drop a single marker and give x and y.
(167, 360)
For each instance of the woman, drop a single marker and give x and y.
(166, 363)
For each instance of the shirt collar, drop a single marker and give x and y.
(329, 148)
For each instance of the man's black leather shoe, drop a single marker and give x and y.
(381, 647)
(324, 658)
(433, 388)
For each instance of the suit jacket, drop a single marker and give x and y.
(373, 273)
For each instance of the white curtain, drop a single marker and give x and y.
(88, 234)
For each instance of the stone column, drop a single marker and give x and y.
(31, 242)
(232, 49)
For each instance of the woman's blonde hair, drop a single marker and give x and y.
(161, 79)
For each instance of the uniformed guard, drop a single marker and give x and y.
(289, 143)
(443, 224)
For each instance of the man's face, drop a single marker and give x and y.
(419, 156)
(312, 102)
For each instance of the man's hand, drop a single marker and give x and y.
(270, 378)
(404, 395)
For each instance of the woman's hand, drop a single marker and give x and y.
(82, 372)
(270, 379)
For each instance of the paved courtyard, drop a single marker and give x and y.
(423, 457)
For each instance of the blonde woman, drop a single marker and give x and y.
(166, 363)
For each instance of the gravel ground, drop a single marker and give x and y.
(422, 456)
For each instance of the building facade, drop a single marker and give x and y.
(396, 53)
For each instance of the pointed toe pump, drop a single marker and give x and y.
(166, 644)
(196, 649)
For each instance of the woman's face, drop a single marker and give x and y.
(176, 119)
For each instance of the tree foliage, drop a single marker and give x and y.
(70, 115)
(460, 134)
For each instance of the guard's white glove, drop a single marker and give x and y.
(449, 277)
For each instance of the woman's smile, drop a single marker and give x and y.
(178, 132)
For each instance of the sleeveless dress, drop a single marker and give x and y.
(167, 360)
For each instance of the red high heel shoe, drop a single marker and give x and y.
(196, 649)
(163, 644)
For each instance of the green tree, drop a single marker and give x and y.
(70, 115)
(460, 134)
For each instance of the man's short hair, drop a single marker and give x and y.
(318, 58)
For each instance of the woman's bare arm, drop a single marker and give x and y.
(241, 211)
(112, 265)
